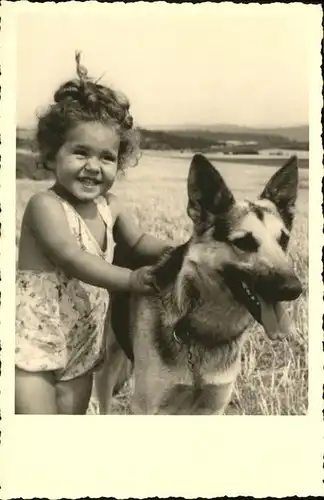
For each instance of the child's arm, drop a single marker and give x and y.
(141, 246)
(46, 219)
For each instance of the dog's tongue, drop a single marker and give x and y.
(275, 320)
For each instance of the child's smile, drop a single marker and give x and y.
(86, 164)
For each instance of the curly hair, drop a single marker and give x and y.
(84, 100)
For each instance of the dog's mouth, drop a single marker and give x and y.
(271, 315)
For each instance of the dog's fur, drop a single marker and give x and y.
(184, 344)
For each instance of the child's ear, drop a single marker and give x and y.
(282, 190)
(207, 192)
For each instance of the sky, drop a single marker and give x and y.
(178, 64)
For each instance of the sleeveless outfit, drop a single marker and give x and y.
(60, 319)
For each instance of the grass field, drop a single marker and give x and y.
(274, 375)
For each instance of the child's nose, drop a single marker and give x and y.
(92, 164)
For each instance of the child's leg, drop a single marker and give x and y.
(39, 393)
(73, 396)
(35, 393)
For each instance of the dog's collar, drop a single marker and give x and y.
(185, 333)
(182, 334)
(181, 331)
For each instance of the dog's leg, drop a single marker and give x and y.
(110, 379)
(222, 395)
(113, 373)
(181, 399)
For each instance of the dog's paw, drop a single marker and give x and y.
(276, 335)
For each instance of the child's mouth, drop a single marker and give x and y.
(87, 181)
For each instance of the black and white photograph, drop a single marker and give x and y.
(165, 158)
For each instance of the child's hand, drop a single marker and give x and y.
(142, 281)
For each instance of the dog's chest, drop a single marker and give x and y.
(173, 376)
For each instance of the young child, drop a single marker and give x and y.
(65, 270)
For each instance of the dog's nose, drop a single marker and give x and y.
(290, 290)
(278, 289)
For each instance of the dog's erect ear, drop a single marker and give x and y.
(282, 190)
(207, 192)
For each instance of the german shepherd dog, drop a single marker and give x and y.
(184, 343)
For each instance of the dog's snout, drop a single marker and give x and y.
(279, 288)
(290, 290)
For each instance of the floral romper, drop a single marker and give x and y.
(59, 319)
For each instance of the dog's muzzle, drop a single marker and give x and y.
(278, 288)
(264, 302)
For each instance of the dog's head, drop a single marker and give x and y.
(245, 242)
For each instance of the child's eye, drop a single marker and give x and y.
(108, 158)
(80, 152)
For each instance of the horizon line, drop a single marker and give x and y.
(198, 125)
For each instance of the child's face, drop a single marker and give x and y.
(86, 164)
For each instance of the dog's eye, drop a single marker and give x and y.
(247, 243)
(283, 240)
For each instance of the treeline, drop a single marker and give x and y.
(264, 140)
(160, 140)
(299, 146)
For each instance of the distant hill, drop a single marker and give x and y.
(299, 133)
(227, 138)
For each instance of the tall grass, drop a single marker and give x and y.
(274, 375)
